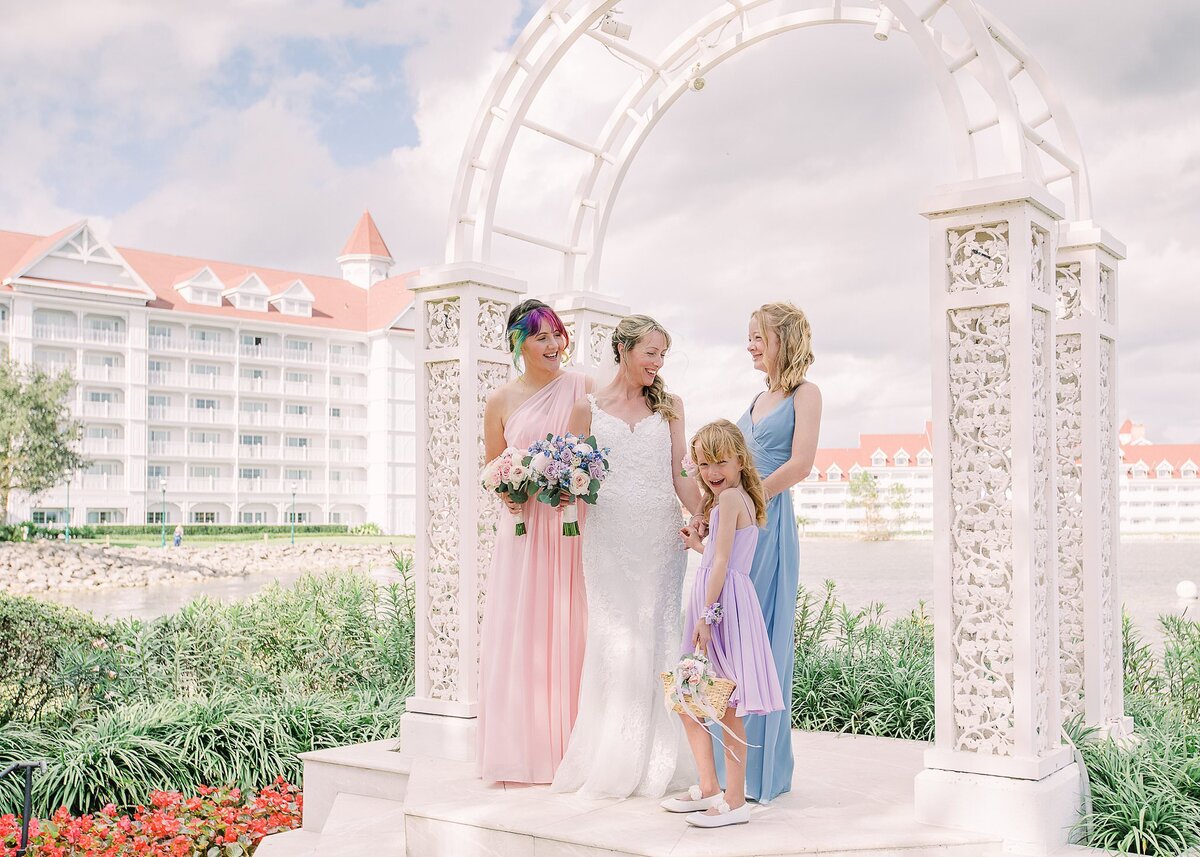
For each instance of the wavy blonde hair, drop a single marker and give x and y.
(630, 331)
(723, 440)
(795, 354)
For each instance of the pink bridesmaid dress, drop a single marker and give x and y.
(535, 620)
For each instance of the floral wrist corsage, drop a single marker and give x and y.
(714, 614)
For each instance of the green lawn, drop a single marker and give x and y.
(275, 538)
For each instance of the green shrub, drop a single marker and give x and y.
(367, 529)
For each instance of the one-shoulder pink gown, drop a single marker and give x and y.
(535, 620)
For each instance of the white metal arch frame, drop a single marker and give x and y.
(1029, 135)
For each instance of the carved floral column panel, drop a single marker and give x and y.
(462, 357)
(1090, 630)
(997, 689)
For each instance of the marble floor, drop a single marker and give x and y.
(851, 795)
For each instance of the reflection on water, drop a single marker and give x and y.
(898, 574)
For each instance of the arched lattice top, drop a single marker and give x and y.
(995, 95)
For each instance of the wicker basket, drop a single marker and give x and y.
(716, 695)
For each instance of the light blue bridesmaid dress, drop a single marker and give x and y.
(775, 574)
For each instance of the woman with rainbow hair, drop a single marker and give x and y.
(531, 643)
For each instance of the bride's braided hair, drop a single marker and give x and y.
(629, 332)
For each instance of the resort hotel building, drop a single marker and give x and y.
(214, 392)
(1159, 488)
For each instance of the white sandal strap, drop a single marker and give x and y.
(694, 792)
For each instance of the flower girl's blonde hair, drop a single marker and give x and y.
(722, 439)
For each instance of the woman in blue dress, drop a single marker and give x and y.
(781, 427)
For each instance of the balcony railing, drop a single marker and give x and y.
(343, 487)
(172, 448)
(255, 450)
(256, 418)
(302, 355)
(300, 420)
(167, 343)
(200, 449)
(303, 486)
(222, 484)
(348, 358)
(103, 409)
(257, 385)
(350, 424)
(350, 455)
(210, 416)
(303, 388)
(92, 372)
(173, 483)
(102, 481)
(175, 380)
(210, 382)
(261, 352)
(56, 332)
(166, 414)
(300, 453)
(210, 346)
(104, 335)
(103, 445)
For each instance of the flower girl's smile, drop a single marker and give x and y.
(719, 475)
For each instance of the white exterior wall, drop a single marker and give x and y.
(366, 418)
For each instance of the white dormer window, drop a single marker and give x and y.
(1188, 471)
(1140, 470)
(901, 458)
(293, 299)
(813, 475)
(834, 473)
(200, 287)
(855, 469)
(250, 294)
(1164, 470)
(924, 458)
(878, 458)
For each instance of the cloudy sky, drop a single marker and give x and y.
(257, 131)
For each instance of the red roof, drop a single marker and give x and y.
(366, 240)
(338, 304)
(868, 444)
(1154, 454)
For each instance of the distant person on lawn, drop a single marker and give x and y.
(178, 535)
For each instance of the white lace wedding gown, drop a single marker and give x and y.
(625, 741)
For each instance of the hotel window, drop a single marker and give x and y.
(253, 372)
(1188, 471)
(157, 400)
(199, 334)
(109, 324)
(99, 360)
(100, 431)
(297, 442)
(206, 471)
(204, 517)
(206, 404)
(160, 330)
(251, 473)
(298, 410)
(299, 345)
(155, 518)
(299, 377)
(254, 517)
(99, 396)
(205, 369)
(924, 459)
(205, 437)
(298, 475)
(253, 340)
(159, 435)
(251, 440)
(158, 471)
(158, 366)
(254, 407)
(298, 517)
(1165, 471)
(902, 459)
(335, 412)
(878, 460)
(103, 516)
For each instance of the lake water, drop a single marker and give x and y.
(895, 573)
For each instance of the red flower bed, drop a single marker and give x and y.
(221, 822)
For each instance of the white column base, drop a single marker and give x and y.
(1032, 816)
(438, 736)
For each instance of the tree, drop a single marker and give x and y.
(900, 500)
(38, 436)
(864, 494)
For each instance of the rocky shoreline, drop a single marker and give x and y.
(33, 567)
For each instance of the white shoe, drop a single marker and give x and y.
(724, 817)
(698, 802)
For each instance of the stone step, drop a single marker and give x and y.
(373, 770)
(357, 826)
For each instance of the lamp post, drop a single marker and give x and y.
(68, 511)
(162, 515)
(293, 513)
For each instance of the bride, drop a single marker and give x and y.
(625, 741)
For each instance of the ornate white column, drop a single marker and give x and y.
(1090, 660)
(461, 357)
(998, 764)
(590, 319)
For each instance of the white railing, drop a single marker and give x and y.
(352, 424)
(56, 332)
(173, 483)
(102, 445)
(298, 420)
(102, 481)
(348, 358)
(199, 449)
(303, 388)
(166, 414)
(93, 372)
(166, 447)
(222, 484)
(102, 409)
(255, 418)
(167, 343)
(343, 487)
(301, 355)
(300, 453)
(348, 455)
(104, 335)
(261, 352)
(209, 346)
(303, 486)
(174, 380)
(55, 367)
(210, 416)
(347, 392)
(200, 381)
(255, 385)
(255, 450)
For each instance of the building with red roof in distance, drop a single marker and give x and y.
(211, 392)
(1160, 491)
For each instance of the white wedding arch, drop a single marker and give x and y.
(1023, 326)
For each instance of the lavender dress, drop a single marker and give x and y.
(740, 648)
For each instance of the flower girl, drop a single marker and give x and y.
(725, 622)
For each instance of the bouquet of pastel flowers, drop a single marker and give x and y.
(508, 473)
(566, 466)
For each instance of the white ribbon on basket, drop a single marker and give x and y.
(681, 693)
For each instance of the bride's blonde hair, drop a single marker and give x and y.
(723, 440)
(630, 331)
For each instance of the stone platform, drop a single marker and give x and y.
(851, 795)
